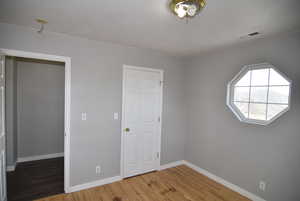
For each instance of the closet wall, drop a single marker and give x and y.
(34, 108)
(40, 107)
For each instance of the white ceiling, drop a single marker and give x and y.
(149, 23)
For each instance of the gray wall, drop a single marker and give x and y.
(242, 153)
(96, 88)
(11, 111)
(40, 107)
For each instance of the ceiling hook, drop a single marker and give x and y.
(42, 23)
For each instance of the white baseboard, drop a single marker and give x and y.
(233, 187)
(170, 165)
(94, 184)
(11, 168)
(114, 179)
(40, 157)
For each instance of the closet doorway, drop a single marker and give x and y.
(36, 124)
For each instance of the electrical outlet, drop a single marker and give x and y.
(98, 169)
(83, 116)
(262, 185)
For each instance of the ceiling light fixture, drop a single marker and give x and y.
(187, 8)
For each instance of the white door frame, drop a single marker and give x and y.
(123, 126)
(67, 118)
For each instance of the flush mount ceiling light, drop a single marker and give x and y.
(187, 8)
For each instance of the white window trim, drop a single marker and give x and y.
(230, 93)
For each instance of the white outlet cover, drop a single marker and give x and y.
(83, 116)
(98, 169)
(262, 185)
(116, 116)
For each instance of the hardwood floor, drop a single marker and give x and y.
(175, 184)
(36, 179)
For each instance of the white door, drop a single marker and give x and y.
(141, 122)
(2, 129)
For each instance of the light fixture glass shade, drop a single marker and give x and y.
(187, 8)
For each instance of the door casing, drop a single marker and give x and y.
(123, 126)
(67, 117)
(3, 191)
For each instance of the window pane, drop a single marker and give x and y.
(259, 94)
(273, 110)
(245, 80)
(260, 77)
(277, 79)
(257, 111)
(243, 107)
(241, 94)
(279, 94)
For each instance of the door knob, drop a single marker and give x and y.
(127, 129)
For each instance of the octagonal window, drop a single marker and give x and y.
(259, 94)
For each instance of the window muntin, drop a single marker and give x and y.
(259, 94)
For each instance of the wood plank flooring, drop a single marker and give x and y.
(36, 179)
(175, 184)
